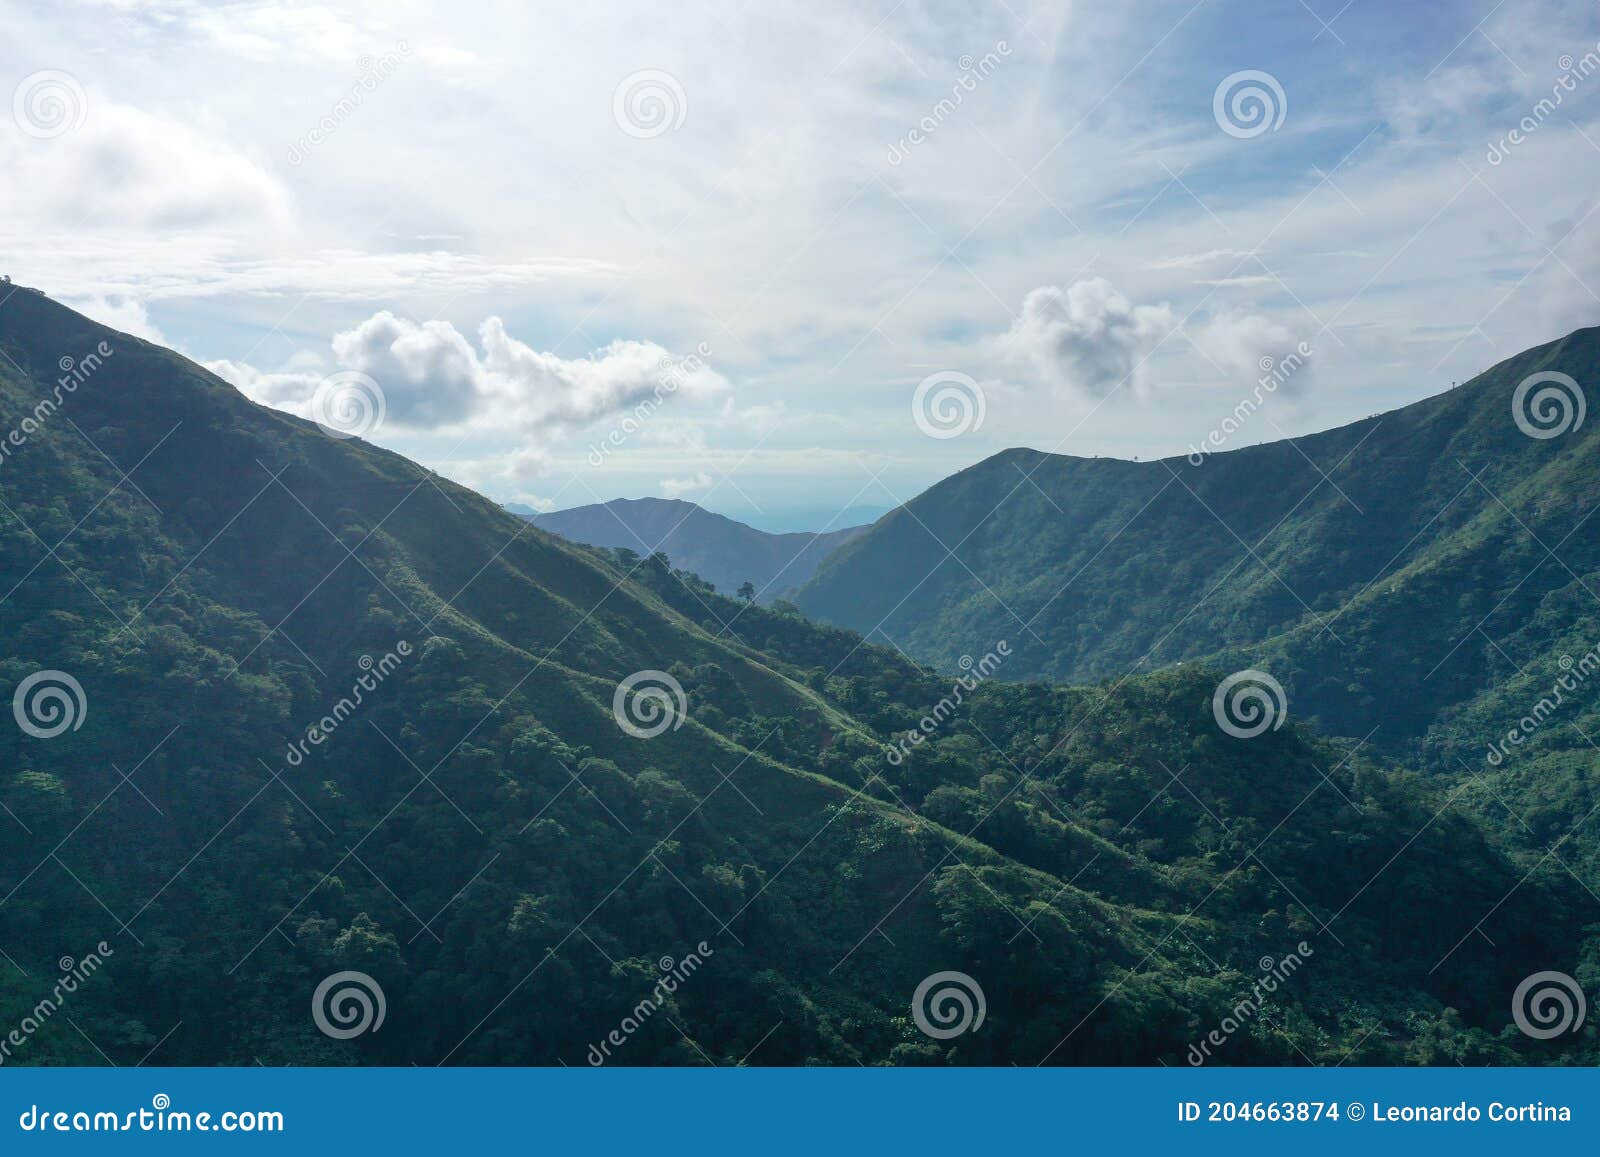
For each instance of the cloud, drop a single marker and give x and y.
(677, 487)
(542, 390)
(120, 313)
(1191, 260)
(1250, 345)
(433, 378)
(429, 374)
(282, 391)
(130, 169)
(1090, 338)
(1244, 280)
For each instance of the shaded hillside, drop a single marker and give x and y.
(338, 714)
(725, 553)
(1372, 568)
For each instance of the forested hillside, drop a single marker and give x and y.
(338, 713)
(1379, 570)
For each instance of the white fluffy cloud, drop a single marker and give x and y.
(429, 373)
(433, 378)
(1249, 345)
(1088, 338)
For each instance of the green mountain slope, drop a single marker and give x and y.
(1373, 569)
(468, 824)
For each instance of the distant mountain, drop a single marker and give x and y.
(1381, 571)
(798, 521)
(725, 553)
(290, 710)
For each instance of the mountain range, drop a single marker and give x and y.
(1384, 571)
(311, 710)
(725, 553)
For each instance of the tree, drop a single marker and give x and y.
(747, 592)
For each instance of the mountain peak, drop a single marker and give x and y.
(724, 552)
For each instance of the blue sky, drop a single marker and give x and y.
(509, 220)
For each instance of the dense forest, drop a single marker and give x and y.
(473, 827)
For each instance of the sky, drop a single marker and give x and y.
(790, 259)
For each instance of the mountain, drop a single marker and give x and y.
(1380, 571)
(725, 553)
(792, 521)
(294, 713)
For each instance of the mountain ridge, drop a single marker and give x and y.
(723, 551)
(479, 834)
(1101, 566)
